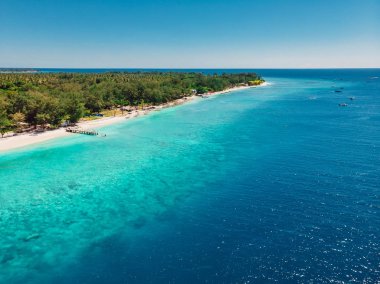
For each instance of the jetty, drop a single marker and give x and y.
(82, 131)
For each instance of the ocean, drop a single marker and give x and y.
(275, 184)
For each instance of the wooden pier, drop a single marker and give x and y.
(82, 131)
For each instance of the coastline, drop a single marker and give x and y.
(9, 143)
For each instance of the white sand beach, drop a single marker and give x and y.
(11, 142)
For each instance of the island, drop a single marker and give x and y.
(38, 102)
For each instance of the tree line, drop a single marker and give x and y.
(51, 98)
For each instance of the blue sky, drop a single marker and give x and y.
(190, 33)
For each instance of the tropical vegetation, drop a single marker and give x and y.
(48, 99)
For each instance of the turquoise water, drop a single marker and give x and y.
(270, 184)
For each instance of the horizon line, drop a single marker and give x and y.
(197, 68)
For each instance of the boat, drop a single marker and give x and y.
(343, 104)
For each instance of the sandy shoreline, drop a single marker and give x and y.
(26, 139)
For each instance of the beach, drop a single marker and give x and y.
(11, 142)
(31, 138)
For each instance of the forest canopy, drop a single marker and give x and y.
(51, 98)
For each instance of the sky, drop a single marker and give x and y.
(190, 33)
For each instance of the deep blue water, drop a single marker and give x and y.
(272, 184)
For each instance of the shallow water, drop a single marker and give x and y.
(270, 184)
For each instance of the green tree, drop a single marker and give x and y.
(94, 102)
(73, 107)
(42, 119)
(5, 124)
(18, 118)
